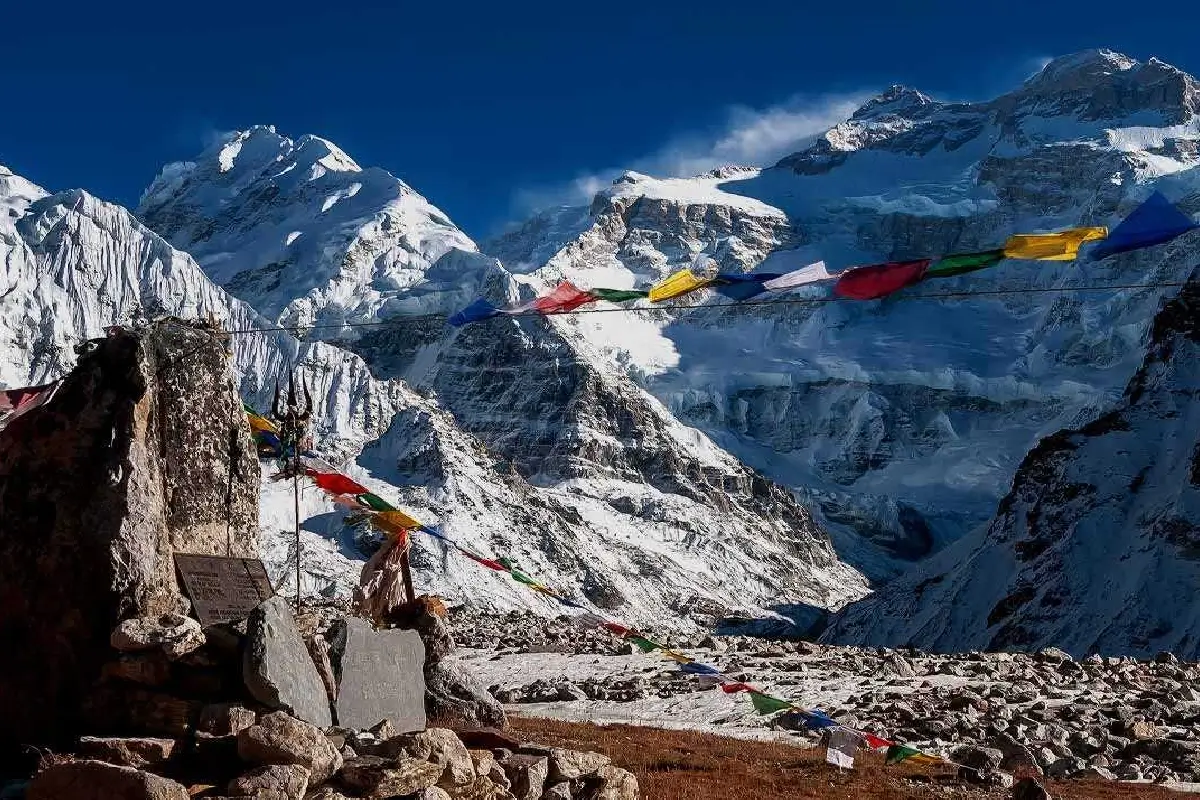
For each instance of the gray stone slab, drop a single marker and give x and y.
(382, 677)
(277, 668)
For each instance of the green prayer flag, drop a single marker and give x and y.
(765, 704)
(963, 263)
(643, 644)
(898, 752)
(520, 577)
(375, 502)
(508, 563)
(617, 295)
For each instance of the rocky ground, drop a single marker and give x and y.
(1045, 713)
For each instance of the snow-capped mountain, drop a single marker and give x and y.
(1095, 547)
(649, 550)
(902, 420)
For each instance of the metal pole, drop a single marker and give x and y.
(296, 497)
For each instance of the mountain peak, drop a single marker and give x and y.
(1086, 65)
(896, 100)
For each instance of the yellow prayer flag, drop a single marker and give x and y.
(395, 521)
(1061, 246)
(261, 424)
(677, 285)
(679, 657)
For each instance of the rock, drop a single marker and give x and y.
(1140, 729)
(568, 692)
(288, 780)
(125, 491)
(434, 793)
(1093, 773)
(280, 739)
(134, 709)
(1053, 655)
(527, 774)
(135, 753)
(611, 783)
(980, 758)
(567, 765)
(226, 719)
(1064, 767)
(453, 693)
(95, 780)
(175, 634)
(488, 739)
(1029, 789)
(382, 677)
(374, 776)
(326, 793)
(442, 747)
(486, 766)
(559, 791)
(479, 789)
(277, 668)
(148, 669)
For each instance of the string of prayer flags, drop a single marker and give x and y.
(766, 704)
(790, 280)
(879, 280)
(563, 298)
(842, 746)
(1060, 246)
(619, 295)
(677, 285)
(336, 483)
(898, 752)
(1155, 221)
(479, 310)
(949, 266)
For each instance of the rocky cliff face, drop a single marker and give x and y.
(142, 453)
(1094, 549)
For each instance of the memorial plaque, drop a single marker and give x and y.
(223, 589)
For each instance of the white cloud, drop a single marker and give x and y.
(749, 137)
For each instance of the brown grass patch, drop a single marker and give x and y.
(686, 765)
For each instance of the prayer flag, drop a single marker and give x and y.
(696, 668)
(765, 704)
(790, 280)
(619, 295)
(375, 502)
(879, 280)
(336, 483)
(268, 443)
(313, 461)
(816, 720)
(742, 286)
(347, 500)
(619, 630)
(487, 562)
(898, 752)
(258, 423)
(564, 297)
(15, 402)
(963, 263)
(1061, 246)
(677, 285)
(1155, 221)
(643, 644)
(479, 310)
(734, 688)
(398, 520)
(677, 657)
(874, 742)
(843, 745)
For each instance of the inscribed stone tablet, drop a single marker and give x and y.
(223, 589)
(383, 677)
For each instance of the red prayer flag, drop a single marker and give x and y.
(336, 483)
(487, 562)
(879, 280)
(613, 627)
(733, 688)
(874, 742)
(564, 297)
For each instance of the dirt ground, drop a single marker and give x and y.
(686, 765)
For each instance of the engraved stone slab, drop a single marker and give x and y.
(223, 589)
(382, 677)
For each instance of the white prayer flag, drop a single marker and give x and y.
(810, 274)
(843, 745)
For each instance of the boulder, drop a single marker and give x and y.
(225, 719)
(611, 783)
(486, 766)
(277, 668)
(1029, 789)
(980, 758)
(434, 793)
(148, 669)
(95, 780)
(287, 780)
(382, 677)
(373, 776)
(527, 775)
(567, 765)
(136, 753)
(559, 791)
(454, 693)
(99, 488)
(280, 739)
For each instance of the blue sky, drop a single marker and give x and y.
(490, 108)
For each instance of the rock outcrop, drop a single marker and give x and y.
(143, 452)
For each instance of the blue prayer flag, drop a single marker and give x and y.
(742, 286)
(1155, 221)
(816, 719)
(480, 309)
(696, 668)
